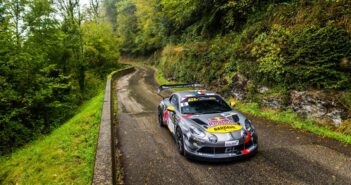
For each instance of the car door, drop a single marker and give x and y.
(172, 115)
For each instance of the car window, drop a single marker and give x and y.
(174, 101)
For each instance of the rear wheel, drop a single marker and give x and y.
(180, 141)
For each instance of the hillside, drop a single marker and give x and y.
(281, 55)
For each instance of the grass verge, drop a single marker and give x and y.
(66, 156)
(286, 117)
(291, 118)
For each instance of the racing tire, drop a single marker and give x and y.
(180, 141)
(160, 117)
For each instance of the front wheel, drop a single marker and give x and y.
(160, 117)
(180, 141)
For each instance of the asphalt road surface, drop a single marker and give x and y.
(286, 155)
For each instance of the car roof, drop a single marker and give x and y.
(190, 93)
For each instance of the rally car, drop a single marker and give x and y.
(205, 126)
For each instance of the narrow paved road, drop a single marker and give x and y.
(286, 155)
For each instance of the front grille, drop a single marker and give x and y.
(207, 150)
(223, 150)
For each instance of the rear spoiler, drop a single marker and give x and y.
(165, 87)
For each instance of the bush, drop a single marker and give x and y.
(307, 58)
(315, 55)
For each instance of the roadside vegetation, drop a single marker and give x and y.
(291, 118)
(66, 156)
(284, 46)
(54, 60)
(54, 55)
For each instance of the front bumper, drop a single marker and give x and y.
(221, 153)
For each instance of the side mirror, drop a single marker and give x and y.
(171, 108)
(232, 102)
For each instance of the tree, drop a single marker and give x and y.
(127, 28)
(46, 63)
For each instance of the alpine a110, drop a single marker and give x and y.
(205, 126)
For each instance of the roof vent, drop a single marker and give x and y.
(198, 121)
(235, 118)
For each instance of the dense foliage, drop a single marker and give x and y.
(291, 44)
(53, 56)
(244, 45)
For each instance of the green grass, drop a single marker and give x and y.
(160, 79)
(66, 156)
(286, 117)
(289, 117)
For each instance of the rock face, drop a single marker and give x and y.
(318, 105)
(262, 89)
(271, 102)
(239, 83)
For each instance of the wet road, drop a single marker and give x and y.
(286, 155)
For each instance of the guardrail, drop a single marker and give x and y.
(104, 168)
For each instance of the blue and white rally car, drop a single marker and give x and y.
(205, 126)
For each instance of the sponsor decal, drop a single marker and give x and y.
(224, 128)
(230, 150)
(165, 116)
(187, 116)
(193, 99)
(170, 121)
(219, 120)
(199, 98)
(231, 143)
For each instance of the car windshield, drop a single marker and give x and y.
(204, 105)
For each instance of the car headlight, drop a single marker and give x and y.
(212, 138)
(248, 125)
(197, 133)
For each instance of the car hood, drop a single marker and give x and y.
(226, 126)
(210, 120)
(219, 123)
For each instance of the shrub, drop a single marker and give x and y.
(307, 58)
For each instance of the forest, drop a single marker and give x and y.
(54, 55)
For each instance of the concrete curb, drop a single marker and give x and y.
(104, 168)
